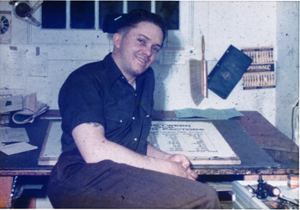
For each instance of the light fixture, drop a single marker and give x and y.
(24, 11)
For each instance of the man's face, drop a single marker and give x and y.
(138, 48)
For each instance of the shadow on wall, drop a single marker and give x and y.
(162, 72)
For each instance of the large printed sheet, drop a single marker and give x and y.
(200, 141)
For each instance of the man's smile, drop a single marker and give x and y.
(143, 60)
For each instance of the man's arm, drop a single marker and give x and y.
(153, 152)
(94, 147)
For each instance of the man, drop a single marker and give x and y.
(106, 117)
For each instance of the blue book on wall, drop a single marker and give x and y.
(228, 71)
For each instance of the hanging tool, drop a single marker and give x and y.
(203, 70)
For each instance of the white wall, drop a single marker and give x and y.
(241, 24)
(287, 90)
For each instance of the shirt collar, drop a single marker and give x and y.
(114, 73)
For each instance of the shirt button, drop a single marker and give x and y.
(133, 118)
(135, 139)
(121, 121)
(147, 115)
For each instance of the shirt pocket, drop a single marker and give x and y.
(114, 118)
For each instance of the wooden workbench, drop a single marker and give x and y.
(262, 148)
(240, 133)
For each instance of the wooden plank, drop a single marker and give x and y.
(32, 203)
(5, 190)
(266, 177)
(24, 172)
(250, 153)
(264, 133)
(282, 149)
(240, 171)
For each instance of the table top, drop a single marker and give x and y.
(262, 148)
(251, 137)
(26, 163)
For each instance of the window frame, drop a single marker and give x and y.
(181, 38)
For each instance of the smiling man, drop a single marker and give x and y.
(106, 111)
(135, 50)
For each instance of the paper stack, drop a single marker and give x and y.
(14, 140)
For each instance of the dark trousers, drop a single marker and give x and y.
(75, 184)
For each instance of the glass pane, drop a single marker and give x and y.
(106, 7)
(169, 10)
(54, 14)
(139, 5)
(82, 14)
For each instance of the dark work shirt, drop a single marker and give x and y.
(98, 92)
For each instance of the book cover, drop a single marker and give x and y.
(228, 71)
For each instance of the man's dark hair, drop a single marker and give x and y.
(139, 15)
(124, 22)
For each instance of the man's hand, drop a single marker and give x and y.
(185, 163)
(178, 165)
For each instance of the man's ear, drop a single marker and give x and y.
(117, 37)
